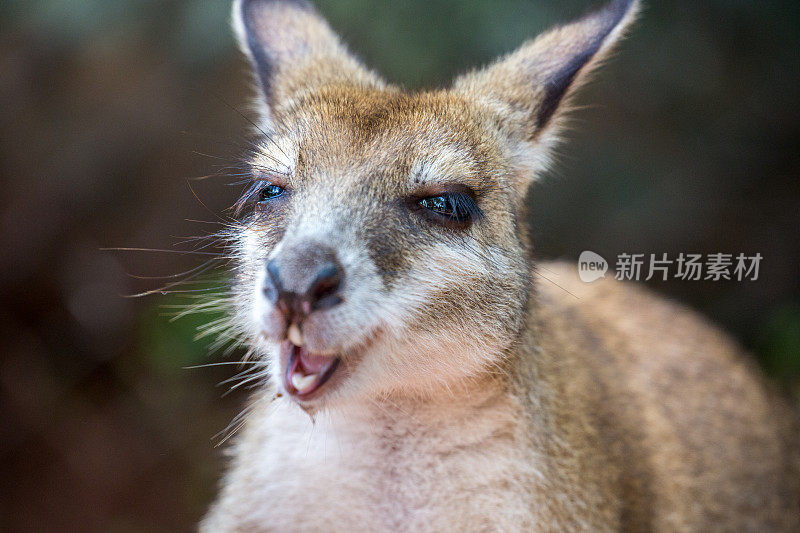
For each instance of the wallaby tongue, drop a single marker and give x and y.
(313, 364)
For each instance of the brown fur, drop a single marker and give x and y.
(692, 438)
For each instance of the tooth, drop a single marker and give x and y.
(295, 335)
(302, 382)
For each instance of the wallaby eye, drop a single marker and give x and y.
(269, 191)
(454, 207)
(439, 204)
(259, 194)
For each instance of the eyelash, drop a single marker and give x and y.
(269, 191)
(453, 208)
(254, 194)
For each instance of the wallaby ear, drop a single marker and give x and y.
(531, 85)
(293, 50)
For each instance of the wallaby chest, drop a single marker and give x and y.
(374, 471)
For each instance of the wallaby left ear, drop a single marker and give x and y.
(532, 84)
(293, 50)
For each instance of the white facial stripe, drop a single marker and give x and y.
(278, 154)
(452, 266)
(448, 161)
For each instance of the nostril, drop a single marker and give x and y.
(305, 282)
(323, 290)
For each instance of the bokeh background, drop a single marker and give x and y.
(688, 143)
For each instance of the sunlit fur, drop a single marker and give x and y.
(476, 393)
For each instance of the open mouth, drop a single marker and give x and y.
(306, 373)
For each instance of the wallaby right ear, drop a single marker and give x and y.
(532, 85)
(293, 50)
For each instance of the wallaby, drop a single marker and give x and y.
(423, 376)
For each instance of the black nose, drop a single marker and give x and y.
(303, 280)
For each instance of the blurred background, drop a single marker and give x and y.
(688, 143)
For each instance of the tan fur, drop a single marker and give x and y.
(699, 440)
(473, 393)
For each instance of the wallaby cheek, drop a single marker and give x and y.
(473, 297)
(477, 307)
(390, 246)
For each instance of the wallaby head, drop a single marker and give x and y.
(383, 250)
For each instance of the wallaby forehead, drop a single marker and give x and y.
(419, 137)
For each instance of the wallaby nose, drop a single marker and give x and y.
(304, 280)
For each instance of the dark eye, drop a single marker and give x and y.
(269, 191)
(459, 208)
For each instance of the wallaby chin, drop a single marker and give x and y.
(423, 376)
